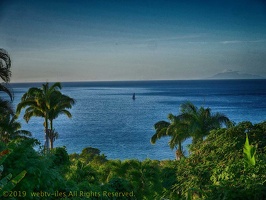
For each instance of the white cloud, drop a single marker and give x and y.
(231, 42)
(241, 41)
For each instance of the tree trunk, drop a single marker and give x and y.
(46, 144)
(51, 135)
(51, 143)
(179, 153)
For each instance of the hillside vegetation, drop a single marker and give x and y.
(216, 168)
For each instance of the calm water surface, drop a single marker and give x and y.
(106, 117)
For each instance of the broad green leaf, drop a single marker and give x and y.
(249, 152)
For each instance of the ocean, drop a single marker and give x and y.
(106, 117)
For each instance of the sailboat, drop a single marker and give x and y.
(133, 97)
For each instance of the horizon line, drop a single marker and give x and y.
(146, 80)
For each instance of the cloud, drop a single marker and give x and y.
(241, 41)
(231, 42)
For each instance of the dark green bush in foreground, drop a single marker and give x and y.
(215, 169)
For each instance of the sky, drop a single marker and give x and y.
(99, 40)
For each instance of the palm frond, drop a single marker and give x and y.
(161, 124)
(159, 134)
(188, 107)
(8, 91)
(5, 65)
(5, 107)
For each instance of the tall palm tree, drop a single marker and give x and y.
(176, 129)
(43, 102)
(59, 103)
(11, 129)
(5, 72)
(36, 102)
(201, 121)
(192, 122)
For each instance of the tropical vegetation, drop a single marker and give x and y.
(5, 72)
(192, 122)
(176, 129)
(225, 160)
(223, 166)
(46, 102)
(9, 128)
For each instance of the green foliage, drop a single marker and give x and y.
(141, 178)
(41, 175)
(216, 167)
(191, 122)
(6, 184)
(4, 154)
(80, 172)
(90, 151)
(119, 184)
(5, 73)
(61, 157)
(90, 155)
(10, 129)
(201, 120)
(46, 102)
(222, 166)
(175, 129)
(249, 153)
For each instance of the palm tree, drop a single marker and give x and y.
(192, 122)
(44, 102)
(36, 102)
(176, 129)
(59, 103)
(5, 73)
(201, 121)
(11, 129)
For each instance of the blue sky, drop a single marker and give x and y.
(132, 40)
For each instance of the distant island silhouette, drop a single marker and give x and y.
(230, 74)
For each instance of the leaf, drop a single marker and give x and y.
(4, 154)
(249, 153)
(11, 184)
(5, 180)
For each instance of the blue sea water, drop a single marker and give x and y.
(106, 117)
